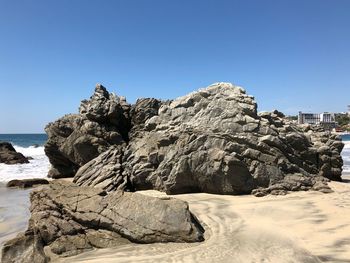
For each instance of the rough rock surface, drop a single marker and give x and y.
(26, 183)
(75, 139)
(212, 140)
(105, 171)
(143, 110)
(9, 155)
(25, 248)
(67, 219)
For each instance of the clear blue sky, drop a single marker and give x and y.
(291, 55)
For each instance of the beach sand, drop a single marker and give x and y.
(299, 227)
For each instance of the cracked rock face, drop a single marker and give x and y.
(105, 171)
(212, 140)
(75, 139)
(67, 219)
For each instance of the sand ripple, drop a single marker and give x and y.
(302, 227)
(238, 229)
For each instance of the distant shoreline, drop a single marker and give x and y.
(41, 133)
(342, 133)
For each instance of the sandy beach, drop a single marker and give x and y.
(299, 227)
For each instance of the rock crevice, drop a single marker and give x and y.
(212, 140)
(67, 219)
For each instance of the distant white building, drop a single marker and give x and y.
(326, 119)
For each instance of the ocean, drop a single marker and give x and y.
(14, 203)
(29, 145)
(346, 154)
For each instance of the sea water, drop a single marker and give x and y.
(30, 145)
(346, 154)
(14, 203)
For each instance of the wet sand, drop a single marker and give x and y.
(14, 212)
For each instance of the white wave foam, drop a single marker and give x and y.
(30, 151)
(346, 157)
(36, 168)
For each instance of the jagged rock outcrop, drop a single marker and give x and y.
(9, 155)
(107, 109)
(143, 110)
(67, 220)
(329, 147)
(105, 171)
(214, 141)
(75, 139)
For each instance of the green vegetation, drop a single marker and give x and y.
(343, 121)
(292, 118)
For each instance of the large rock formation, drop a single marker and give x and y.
(76, 139)
(212, 140)
(67, 220)
(9, 155)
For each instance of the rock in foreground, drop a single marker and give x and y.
(9, 155)
(67, 219)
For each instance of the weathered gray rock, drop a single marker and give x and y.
(328, 147)
(143, 110)
(75, 139)
(67, 219)
(107, 108)
(25, 248)
(26, 183)
(295, 182)
(9, 155)
(212, 140)
(105, 171)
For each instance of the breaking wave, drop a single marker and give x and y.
(38, 167)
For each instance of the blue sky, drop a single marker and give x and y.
(291, 55)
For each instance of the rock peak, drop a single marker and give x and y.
(100, 90)
(222, 86)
